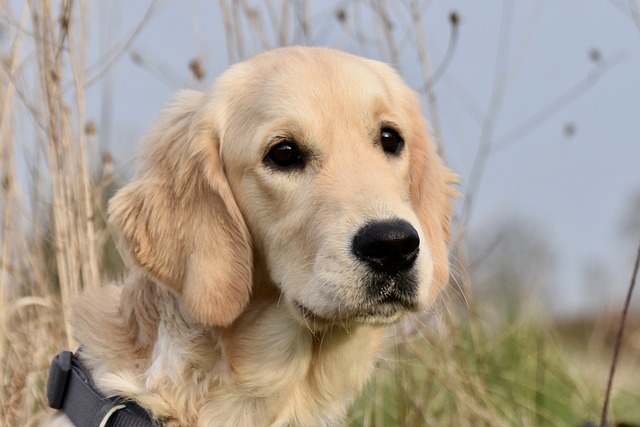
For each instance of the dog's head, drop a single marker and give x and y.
(316, 161)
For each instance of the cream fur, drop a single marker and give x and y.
(207, 328)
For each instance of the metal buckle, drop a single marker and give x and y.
(58, 379)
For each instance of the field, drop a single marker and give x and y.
(472, 361)
(501, 373)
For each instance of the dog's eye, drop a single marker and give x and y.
(285, 155)
(391, 141)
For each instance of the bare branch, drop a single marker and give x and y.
(387, 31)
(555, 106)
(488, 126)
(107, 61)
(423, 56)
(618, 344)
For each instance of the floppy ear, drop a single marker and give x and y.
(432, 193)
(179, 220)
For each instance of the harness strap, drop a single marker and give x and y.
(71, 389)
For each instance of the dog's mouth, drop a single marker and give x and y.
(385, 300)
(381, 313)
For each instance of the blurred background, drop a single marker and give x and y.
(534, 103)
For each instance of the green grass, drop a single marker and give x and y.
(477, 374)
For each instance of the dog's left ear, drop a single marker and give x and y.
(432, 192)
(179, 220)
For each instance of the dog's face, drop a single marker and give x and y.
(318, 151)
(330, 171)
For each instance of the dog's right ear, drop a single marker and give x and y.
(179, 220)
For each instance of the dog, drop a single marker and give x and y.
(277, 225)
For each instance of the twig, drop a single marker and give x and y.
(228, 31)
(283, 33)
(304, 21)
(573, 93)
(387, 32)
(238, 36)
(618, 344)
(77, 56)
(630, 9)
(634, 11)
(7, 175)
(162, 72)
(107, 61)
(428, 77)
(454, 19)
(361, 35)
(256, 24)
(488, 126)
(41, 19)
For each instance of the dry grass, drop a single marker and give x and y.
(51, 233)
(458, 370)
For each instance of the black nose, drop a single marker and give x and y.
(387, 247)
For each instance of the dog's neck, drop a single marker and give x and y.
(265, 363)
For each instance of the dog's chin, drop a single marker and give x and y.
(380, 314)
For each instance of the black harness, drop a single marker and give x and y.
(71, 389)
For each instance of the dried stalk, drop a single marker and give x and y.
(7, 176)
(428, 78)
(238, 35)
(618, 344)
(488, 126)
(229, 32)
(603, 66)
(279, 21)
(305, 21)
(387, 31)
(283, 33)
(108, 60)
(256, 25)
(72, 205)
(90, 272)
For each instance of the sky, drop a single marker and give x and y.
(569, 71)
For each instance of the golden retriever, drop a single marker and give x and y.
(277, 225)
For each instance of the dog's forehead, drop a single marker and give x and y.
(307, 78)
(310, 93)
